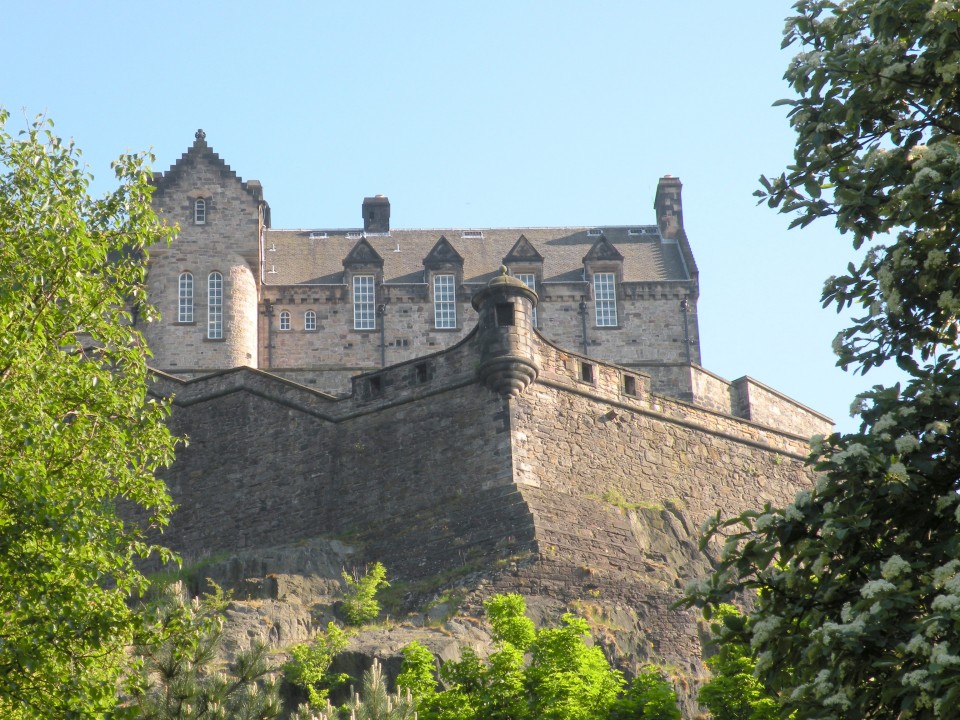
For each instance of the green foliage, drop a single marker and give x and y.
(734, 692)
(565, 679)
(77, 430)
(177, 675)
(360, 604)
(858, 580)
(649, 696)
(309, 665)
(418, 671)
(373, 702)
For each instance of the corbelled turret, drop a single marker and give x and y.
(507, 358)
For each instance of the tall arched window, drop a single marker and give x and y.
(185, 304)
(284, 320)
(215, 306)
(309, 320)
(199, 211)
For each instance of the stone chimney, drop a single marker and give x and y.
(376, 214)
(507, 357)
(669, 207)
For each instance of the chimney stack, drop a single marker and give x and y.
(376, 214)
(669, 207)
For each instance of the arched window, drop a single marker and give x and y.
(309, 320)
(215, 306)
(284, 320)
(185, 304)
(199, 211)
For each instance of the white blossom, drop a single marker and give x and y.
(898, 472)
(876, 587)
(894, 567)
(906, 444)
(945, 603)
(940, 654)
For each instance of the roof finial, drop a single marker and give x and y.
(200, 134)
(504, 270)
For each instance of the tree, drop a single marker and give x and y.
(78, 433)
(178, 675)
(566, 678)
(373, 702)
(309, 665)
(360, 603)
(649, 696)
(858, 580)
(734, 692)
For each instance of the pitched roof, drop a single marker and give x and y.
(315, 257)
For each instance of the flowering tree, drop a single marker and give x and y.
(858, 580)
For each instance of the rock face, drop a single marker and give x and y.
(283, 595)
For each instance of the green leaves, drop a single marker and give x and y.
(360, 603)
(566, 678)
(77, 434)
(858, 581)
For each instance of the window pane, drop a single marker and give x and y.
(605, 299)
(215, 306)
(200, 212)
(364, 300)
(284, 320)
(309, 320)
(185, 309)
(530, 280)
(444, 302)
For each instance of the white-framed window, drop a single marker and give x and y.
(199, 211)
(185, 302)
(284, 320)
(309, 320)
(530, 280)
(364, 303)
(215, 306)
(605, 299)
(444, 302)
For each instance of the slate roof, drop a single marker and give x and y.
(292, 257)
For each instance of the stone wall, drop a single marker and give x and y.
(650, 329)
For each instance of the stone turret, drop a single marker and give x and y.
(507, 357)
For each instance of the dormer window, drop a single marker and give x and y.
(199, 211)
(605, 298)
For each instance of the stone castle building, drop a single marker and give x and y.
(453, 396)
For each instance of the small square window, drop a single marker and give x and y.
(629, 385)
(421, 372)
(586, 372)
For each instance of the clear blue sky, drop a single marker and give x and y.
(501, 113)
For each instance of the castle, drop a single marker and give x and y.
(451, 396)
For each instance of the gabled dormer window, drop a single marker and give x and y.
(605, 298)
(199, 211)
(444, 302)
(530, 280)
(364, 303)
